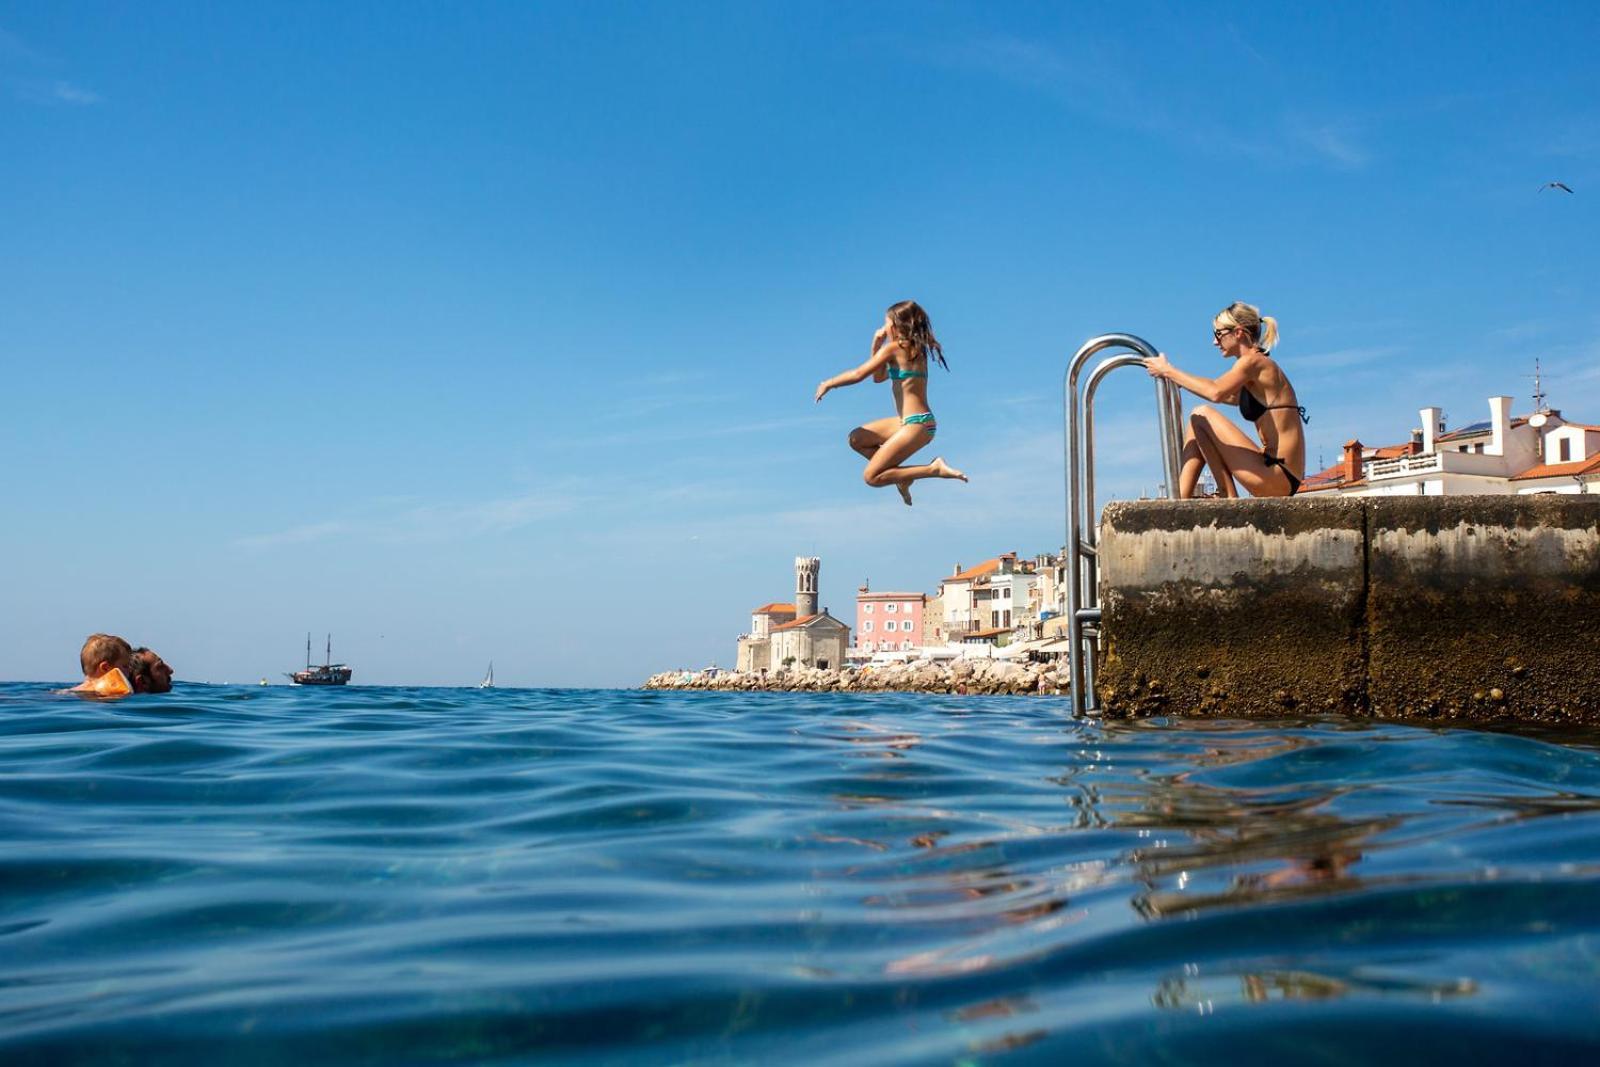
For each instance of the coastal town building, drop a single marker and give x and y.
(933, 621)
(959, 595)
(1503, 455)
(783, 635)
(888, 621)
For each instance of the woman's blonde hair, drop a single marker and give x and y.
(1262, 330)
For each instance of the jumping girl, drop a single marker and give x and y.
(1277, 465)
(901, 351)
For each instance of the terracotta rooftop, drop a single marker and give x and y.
(888, 596)
(992, 632)
(1556, 470)
(988, 566)
(774, 609)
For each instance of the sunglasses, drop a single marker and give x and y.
(1217, 335)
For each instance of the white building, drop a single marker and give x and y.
(1542, 453)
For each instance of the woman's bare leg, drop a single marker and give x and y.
(1193, 463)
(1203, 423)
(869, 438)
(1239, 455)
(884, 469)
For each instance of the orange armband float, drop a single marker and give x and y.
(113, 683)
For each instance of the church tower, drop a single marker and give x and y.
(805, 585)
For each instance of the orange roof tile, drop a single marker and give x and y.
(774, 609)
(1556, 470)
(986, 567)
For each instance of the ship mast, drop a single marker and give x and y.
(308, 650)
(327, 657)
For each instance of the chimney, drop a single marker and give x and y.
(956, 571)
(1352, 461)
(1499, 424)
(1432, 427)
(1416, 442)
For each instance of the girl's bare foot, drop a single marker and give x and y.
(944, 470)
(905, 492)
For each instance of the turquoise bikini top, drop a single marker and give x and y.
(898, 375)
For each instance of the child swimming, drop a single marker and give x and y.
(902, 348)
(107, 660)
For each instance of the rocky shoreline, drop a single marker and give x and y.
(964, 676)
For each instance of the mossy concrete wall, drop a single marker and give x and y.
(1467, 608)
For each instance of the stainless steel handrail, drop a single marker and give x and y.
(1082, 530)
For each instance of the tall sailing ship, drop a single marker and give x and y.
(329, 673)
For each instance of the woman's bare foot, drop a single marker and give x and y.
(942, 469)
(905, 492)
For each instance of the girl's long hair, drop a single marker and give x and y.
(912, 326)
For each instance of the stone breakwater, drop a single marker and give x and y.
(967, 676)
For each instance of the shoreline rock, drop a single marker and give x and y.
(969, 677)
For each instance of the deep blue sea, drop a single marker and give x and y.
(232, 875)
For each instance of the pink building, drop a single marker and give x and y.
(889, 622)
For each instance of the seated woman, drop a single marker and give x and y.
(1276, 466)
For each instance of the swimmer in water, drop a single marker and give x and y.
(902, 349)
(150, 672)
(107, 661)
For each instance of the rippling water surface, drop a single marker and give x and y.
(374, 875)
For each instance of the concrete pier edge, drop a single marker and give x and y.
(1469, 608)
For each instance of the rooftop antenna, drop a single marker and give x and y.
(1540, 399)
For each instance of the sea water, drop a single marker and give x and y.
(372, 875)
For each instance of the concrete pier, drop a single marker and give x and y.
(1476, 608)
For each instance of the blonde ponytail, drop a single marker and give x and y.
(1269, 333)
(1262, 330)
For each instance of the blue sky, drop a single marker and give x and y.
(490, 331)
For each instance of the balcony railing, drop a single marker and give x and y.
(1398, 466)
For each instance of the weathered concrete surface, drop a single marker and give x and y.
(1484, 608)
(1231, 607)
(1466, 608)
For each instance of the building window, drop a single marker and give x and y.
(906, 608)
(867, 608)
(866, 626)
(1007, 623)
(1566, 450)
(891, 608)
(905, 646)
(1478, 448)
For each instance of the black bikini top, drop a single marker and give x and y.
(1252, 409)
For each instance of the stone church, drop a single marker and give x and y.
(794, 635)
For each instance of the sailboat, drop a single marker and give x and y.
(329, 673)
(488, 679)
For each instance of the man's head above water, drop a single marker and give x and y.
(150, 672)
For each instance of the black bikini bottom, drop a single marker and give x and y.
(1273, 461)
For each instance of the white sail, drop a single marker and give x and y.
(488, 679)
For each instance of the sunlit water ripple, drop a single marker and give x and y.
(374, 875)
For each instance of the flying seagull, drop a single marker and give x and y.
(1556, 185)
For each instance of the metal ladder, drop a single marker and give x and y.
(1083, 568)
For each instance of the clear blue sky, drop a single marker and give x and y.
(472, 331)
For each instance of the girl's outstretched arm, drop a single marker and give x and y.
(878, 362)
(1217, 390)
